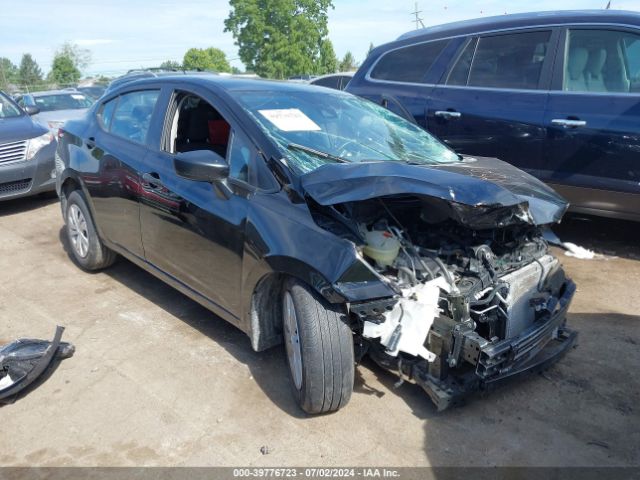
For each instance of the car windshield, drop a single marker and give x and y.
(8, 109)
(62, 101)
(313, 128)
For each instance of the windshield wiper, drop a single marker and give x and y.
(318, 153)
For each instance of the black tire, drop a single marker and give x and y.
(97, 256)
(326, 350)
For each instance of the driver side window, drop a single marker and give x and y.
(197, 125)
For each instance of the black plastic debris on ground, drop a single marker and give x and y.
(25, 360)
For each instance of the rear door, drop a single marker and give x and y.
(491, 100)
(118, 148)
(593, 119)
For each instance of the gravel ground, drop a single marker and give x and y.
(158, 380)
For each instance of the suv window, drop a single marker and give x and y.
(331, 82)
(602, 61)
(507, 61)
(408, 64)
(132, 115)
(460, 72)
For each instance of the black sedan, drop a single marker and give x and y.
(313, 218)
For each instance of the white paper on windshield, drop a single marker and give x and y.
(77, 97)
(290, 120)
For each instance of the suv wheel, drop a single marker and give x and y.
(319, 347)
(86, 247)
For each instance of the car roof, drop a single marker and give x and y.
(531, 19)
(226, 83)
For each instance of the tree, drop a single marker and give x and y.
(171, 65)
(371, 47)
(280, 38)
(29, 72)
(206, 59)
(348, 63)
(63, 70)
(328, 60)
(81, 57)
(8, 73)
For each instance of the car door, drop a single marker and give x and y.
(593, 119)
(194, 231)
(491, 100)
(118, 147)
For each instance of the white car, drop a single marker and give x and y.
(56, 106)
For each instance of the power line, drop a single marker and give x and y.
(418, 20)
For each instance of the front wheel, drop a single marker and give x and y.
(319, 346)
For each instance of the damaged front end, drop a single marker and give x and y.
(478, 297)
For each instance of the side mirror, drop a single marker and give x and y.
(31, 110)
(201, 166)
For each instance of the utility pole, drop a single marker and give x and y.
(418, 20)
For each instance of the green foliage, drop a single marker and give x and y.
(81, 57)
(63, 70)
(206, 59)
(348, 63)
(171, 65)
(8, 73)
(371, 47)
(281, 38)
(29, 72)
(328, 60)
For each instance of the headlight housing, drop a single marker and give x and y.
(35, 144)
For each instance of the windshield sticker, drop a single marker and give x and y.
(290, 120)
(78, 97)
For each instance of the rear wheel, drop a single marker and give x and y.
(86, 247)
(319, 347)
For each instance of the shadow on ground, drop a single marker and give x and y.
(603, 235)
(21, 205)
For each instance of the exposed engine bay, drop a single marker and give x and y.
(473, 304)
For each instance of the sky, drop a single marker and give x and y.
(126, 34)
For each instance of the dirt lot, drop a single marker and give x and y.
(158, 380)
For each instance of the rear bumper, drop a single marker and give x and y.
(533, 350)
(29, 177)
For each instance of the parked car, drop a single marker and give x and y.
(553, 93)
(315, 218)
(337, 81)
(26, 152)
(56, 106)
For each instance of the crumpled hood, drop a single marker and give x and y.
(480, 182)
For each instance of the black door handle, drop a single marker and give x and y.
(91, 143)
(153, 179)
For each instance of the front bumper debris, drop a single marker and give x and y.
(532, 350)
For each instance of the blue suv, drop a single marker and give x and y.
(554, 93)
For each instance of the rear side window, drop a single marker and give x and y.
(602, 61)
(460, 72)
(408, 64)
(132, 115)
(105, 115)
(509, 61)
